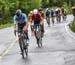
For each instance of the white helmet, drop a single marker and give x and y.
(56, 9)
(31, 12)
(35, 11)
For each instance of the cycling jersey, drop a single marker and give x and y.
(47, 13)
(21, 19)
(36, 17)
(42, 13)
(57, 12)
(30, 15)
(52, 12)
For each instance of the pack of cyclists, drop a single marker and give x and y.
(58, 13)
(36, 17)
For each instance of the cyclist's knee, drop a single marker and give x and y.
(25, 28)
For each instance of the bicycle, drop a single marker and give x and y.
(58, 18)
(38, 34)
(23, 44)
(48, 20)
(64, 17)
(52, 19)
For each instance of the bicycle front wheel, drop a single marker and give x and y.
(26, 51)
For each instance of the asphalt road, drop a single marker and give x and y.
(58, 48)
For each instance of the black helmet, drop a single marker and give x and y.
(40, 9)
(18, 12)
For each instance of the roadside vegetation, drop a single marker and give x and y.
(72, 25)
(8, 7)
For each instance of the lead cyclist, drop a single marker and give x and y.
(20, 23)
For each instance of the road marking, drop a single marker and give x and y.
(8, 48)
(68, 31)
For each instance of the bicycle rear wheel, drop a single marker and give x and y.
(25, 47)
(48, 21)
(26, 51)
(40, 41)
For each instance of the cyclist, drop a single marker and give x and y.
(58, 14)
(30, 16)
(37, 18)
(62, 10)
(42, 14)
(73, 11)
(52, 12)
(64, 13)
(20, 22)
(48, 16)
(30, 20)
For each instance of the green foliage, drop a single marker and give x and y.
(8, 7)
(72, 25)
(45, 3)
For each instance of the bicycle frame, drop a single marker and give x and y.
(38, 35)
(23, 45)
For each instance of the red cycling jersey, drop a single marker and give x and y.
(42, 13)
(36, 17)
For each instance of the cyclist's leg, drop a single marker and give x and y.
(60, 18)
(35, 26)
(57, 19)
(46, 18)
(63, 16)
(42, 27)
(19, 35)
(49, 19)
(25, 29)
(52, 19)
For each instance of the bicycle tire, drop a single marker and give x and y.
(22, 49)
(48, 21)
(25, 46)
(40, 41)
(26, 51)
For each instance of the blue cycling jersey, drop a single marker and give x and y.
(52, 12)
(21, 19)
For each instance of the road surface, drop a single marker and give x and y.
(58, 48)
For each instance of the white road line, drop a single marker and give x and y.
(68, 31)
(7, 50)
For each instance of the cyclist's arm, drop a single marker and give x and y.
(14, 22)
(25, 19)
(41, 19)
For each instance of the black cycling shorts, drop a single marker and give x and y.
(36, 23)
(20, 27)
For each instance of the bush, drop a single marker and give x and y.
(72, 25)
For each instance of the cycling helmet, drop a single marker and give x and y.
(31, 12)
(18, 12)
(56, 9)
(62, 8)
(73, 7)
(40, 9)
(35, 11)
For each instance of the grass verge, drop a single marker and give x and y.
(72, 25)
(6, 25)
